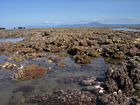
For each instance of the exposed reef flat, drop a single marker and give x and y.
(79, 66)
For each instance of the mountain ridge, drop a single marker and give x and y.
(90, 24)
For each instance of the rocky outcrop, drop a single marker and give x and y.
(29, 72)
(115, 98)
(67, 97)
(118, 78)
(8, 65)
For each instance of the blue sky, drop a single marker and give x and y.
(42, 12)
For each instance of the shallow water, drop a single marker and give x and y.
(13, 40)
(56, 79)
(3, 58)
(126, 29)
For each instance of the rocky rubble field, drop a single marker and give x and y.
(122, 80)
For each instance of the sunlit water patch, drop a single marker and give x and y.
(13, 40)
(126, 29)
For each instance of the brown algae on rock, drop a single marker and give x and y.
(30, 72)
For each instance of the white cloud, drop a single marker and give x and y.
(47, 22)
(133, 18)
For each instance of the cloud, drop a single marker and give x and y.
(133, 18)
(47, 22)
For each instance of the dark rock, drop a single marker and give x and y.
(135, 75)
(114, 99)
(53, 48)
(83, 43)
(119, 78)
(119, 55)
(107, 52)
(105, 41)
(38, 98)
(68, 97)
(137, 86)
(133, 51)
(87, 81)
(45, 34)
(55, 58)
(92, 53)
(76, 50)
(72, 51)
(111, 85)
(82, 59)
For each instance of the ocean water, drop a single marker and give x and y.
(14, 40)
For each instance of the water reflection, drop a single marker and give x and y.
(126, 29)
(13, 40)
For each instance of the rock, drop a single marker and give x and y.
(114, 99)
(92, 53)
(95, 89)
(83, 43)
(123, 48)
(111, 85)
(107, 52)
(133, 67)
(8, 65)
(88, 81)
(119, 55)
(34, 55)
(76, 50)
(53, 48)
(105, 41)
(119, 79)
(90, 84)
(137, 87)
(116, 40)
(135, 75)
(61, 64)
(30, 72)
(131, 64)
(72, 51)
(25, 50)
(137, 41)
(45, 34)
(82, 59)
(132, 51)
(39, 98)
(138, 100)
(54, 58)
(68, 97)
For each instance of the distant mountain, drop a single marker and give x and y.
(96, 24)
(91, 24)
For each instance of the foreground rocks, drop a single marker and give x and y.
(8, 65)
(69, 97)
(124, 79)
(116, 98)
(118, 79)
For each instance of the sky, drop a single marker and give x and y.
(14, 13)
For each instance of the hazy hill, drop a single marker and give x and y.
(91, 24)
